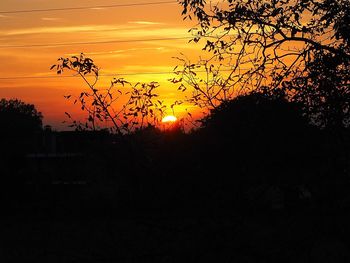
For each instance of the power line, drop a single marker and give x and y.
(94, 42)
(86, 7)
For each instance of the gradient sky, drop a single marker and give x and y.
(92, 25)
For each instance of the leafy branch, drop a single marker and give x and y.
(104, 105)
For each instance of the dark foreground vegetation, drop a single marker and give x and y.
(265, 178)
(256, 183)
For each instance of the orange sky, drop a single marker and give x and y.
(93, 25)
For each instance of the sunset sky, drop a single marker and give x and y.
(30, 42)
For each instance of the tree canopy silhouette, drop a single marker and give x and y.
(20, 127)
(324, 92)
(301, 46)
(258, 138)
(17, 116)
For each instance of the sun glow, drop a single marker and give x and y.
(169, 118)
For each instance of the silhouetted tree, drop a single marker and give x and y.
(21, 125)
(124, 106)
(257, 139)
(255, 43)
(17, 116)
(323, 92)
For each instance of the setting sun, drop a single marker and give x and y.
(169, 118)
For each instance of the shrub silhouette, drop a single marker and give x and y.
(17, 116)
(256, 139)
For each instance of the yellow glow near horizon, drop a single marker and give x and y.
(169, 118)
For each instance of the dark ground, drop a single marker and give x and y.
(109, 235)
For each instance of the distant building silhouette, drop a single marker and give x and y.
(62, 157)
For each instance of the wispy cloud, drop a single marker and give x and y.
(142, 33)
(97, 8)
(147, 23)
(65, 29)
(3, 16)
(50, 18)
(111, 52)
(141, 68)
